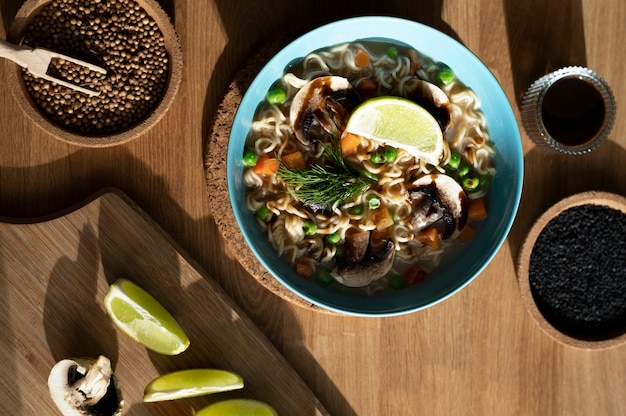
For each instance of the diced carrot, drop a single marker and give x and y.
(294, 160)
(430, 236)
(361, 59)
(382, 218)
(304, 269)
(477, 209)
(266, 166)
(367, 88)
(349, 143)
(367, 85)
(467, 234)
(414, 274)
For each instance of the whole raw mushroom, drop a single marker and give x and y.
(85, 387)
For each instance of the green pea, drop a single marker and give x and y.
(250, 158)
(309, 227)
(484, 180)
(356, 210)
(324, 276)
(455, 160)
(445, 75)
(464, 170)
(276, 96)
(396, 282)
(333, 238)
(390, 154)
(392, 52)
(340, 251)
(263, 213)
(373, 201)
(471, 182)
(377, 158)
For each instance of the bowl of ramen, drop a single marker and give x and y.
(374, 166)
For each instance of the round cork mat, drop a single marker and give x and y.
(217, 185)
(613, 201)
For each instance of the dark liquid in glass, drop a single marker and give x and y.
(573, 111)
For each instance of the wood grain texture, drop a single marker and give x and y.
(60, 271)
(478, 352)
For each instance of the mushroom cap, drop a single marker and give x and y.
(369, 267)
(85, 387)
(434, 100)
(326, 101)
(448, 203)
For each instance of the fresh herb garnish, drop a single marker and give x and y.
(330, 185)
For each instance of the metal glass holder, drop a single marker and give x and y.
(532, 116)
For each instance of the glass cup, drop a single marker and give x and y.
(570, 110)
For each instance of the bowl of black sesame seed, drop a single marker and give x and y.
(134, 40)
(572, 270)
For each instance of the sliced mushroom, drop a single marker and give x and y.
(322, 105)
(84, 387)
(439, 200)
(363, 263)
(433, 99)
(356, 245)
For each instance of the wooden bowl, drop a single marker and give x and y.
(550, 325)
(16, 32)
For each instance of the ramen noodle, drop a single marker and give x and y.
(316, 238)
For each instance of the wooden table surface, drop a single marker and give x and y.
(478, 352)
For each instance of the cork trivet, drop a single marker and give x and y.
(613, 201)
(215, 168)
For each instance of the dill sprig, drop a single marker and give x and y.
(329, 185)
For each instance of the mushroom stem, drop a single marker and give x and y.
(91, 389)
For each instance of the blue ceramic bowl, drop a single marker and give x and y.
(451, 276)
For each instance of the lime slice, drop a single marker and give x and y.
(238, 407)
(191, 383)
(399, 123)
(144, 319)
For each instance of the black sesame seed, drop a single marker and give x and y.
(577, 272)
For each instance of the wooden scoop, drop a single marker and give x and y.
(37, 61)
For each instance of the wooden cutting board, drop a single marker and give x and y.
(53, 277)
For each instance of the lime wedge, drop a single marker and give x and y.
(399, 123)
(191, 383)
(144, 319)
(238, 407)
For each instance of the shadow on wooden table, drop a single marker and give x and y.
(73, 327)
(543, 36)
(548, 178)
